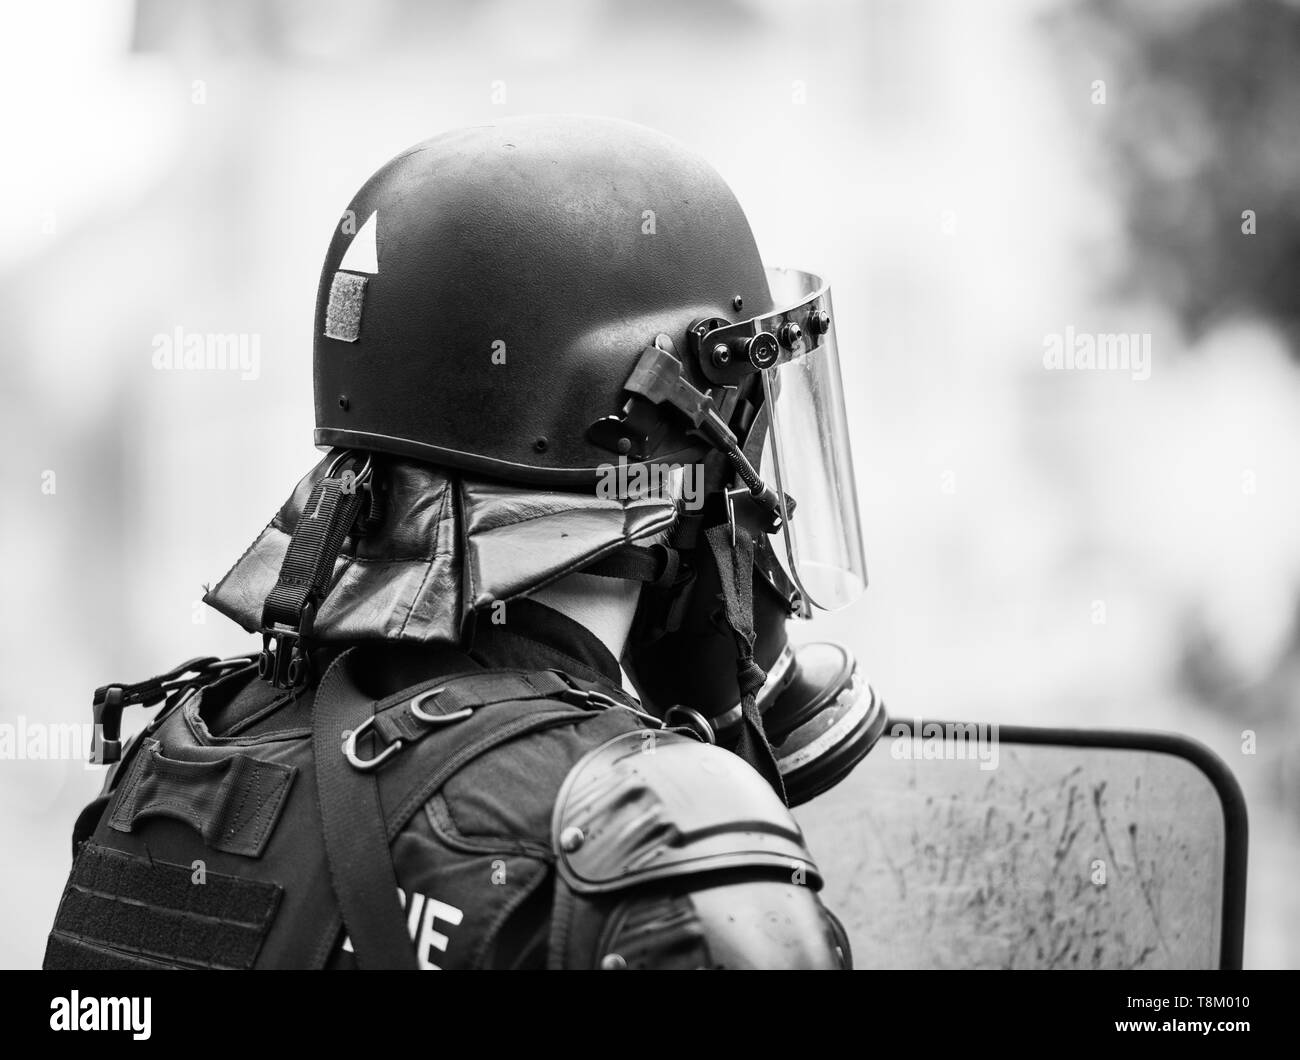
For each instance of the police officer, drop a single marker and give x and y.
(573, 427)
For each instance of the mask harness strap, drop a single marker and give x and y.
(657, 565)
(736, 575)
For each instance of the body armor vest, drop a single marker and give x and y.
(207, 852)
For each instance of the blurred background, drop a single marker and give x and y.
(1050, 547)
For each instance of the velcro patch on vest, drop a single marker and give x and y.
(121, 910)
(343, 313)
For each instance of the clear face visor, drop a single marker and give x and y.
(807, 454)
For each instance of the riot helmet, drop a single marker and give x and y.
(529, 328)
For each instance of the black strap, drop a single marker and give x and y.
(110, 700)
(327, 517)
(736, 575)
(154, 689)
(332, 512)
(656, 564)
(356, 839)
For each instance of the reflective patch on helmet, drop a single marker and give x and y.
(343, 314)
(363, 252)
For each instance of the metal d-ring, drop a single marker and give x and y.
(367, 764)
(436, 719)
(693, 720)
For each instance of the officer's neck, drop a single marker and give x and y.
(603, 606)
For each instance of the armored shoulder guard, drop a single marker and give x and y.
(676, 854)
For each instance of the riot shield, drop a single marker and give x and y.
(955, 845)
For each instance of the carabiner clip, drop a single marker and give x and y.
(367, 764)
(585, 697)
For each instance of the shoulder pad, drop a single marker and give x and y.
(648, 805)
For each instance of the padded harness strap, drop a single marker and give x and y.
(356, 828)
(356, 841)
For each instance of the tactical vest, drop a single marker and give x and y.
(206, 851)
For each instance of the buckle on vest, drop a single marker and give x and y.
(284, 661)
(367, 764)
(106, 739)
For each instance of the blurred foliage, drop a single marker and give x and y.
(1201, 123)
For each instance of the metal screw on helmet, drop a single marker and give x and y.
(721, 355)
(762, 350)
(819, 322)
(737, 303)
(612, 962)
(791, 334)
(571, 839)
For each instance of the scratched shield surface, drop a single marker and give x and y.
(1059, 857)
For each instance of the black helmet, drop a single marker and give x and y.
(491, 290)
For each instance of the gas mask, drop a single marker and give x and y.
(773, 534)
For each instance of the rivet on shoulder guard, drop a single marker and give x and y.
(612, 962)
(571, 838)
